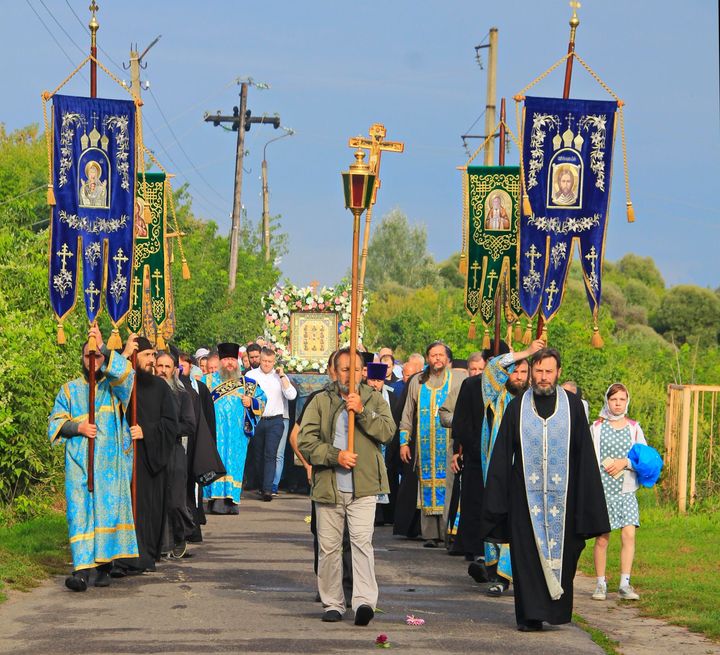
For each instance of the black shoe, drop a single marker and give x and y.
(477, 571)
(332, 616)
(317, 598)
(530, 626)
(102, 579)
(118, 571)
(77, 581)
(498, 589)
(364, 615)
(430, 543)
(267, 497)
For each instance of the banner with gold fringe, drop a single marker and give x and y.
(93, 184)
(150, 285)
(493, 197)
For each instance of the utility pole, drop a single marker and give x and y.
(241, 121)
(490, 99)
(136, 63)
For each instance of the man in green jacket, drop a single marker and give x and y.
(346, 484)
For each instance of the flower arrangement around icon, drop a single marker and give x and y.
(282, 301)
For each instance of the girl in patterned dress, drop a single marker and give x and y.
(614, 434)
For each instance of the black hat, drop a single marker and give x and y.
(228, 350)
(144, 344)
(367, 357)
(376, 371)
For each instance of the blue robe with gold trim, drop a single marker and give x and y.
(235, 428)
(100, 524)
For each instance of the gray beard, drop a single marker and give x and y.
(226, 374)
(345, 389)
(549, 391)
(175, 384)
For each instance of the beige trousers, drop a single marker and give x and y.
(360, 514)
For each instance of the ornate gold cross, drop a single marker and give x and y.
(376, 144)
(135, 284)
(157, 276)
(92, 291)
(591, 257)
(120, 258)
(552, 291)
(64, 253)
(475, 268)
(491, 276)
(533, 254)
(314, 286)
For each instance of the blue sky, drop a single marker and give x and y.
(337, 67)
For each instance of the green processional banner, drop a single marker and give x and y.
(494, 215)
(150, 287)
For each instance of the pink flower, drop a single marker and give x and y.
(322, 305)
(277, 322)
(412, 620)
(298, 304)
(381, 641)
(287, 298)
(345, 294)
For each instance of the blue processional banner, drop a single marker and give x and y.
(567, 155)
(92, 220)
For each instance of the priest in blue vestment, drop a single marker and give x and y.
(100, 523)
(239, 403)
(543, 494)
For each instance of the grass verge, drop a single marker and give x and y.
(31, 551)
(676, 569)
(598, 636)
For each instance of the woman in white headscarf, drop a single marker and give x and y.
(614, 434)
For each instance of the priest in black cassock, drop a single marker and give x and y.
(157, 417)
(543, 494)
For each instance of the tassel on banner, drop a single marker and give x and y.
(462, 266)
(486, 339)
(60, 334)
(114, 342)
(160, 342)
(517, 331)
(185, 269)
(509, 334)
(597, 340)
(527, 336)
(51, 195)
(471, 330)
(630, 212)
(544, 336)
(527, 208)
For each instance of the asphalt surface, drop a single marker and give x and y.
(250, 588)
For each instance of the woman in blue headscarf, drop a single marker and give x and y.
(614, 434)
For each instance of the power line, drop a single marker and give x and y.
(50, 32)
(64, 31)
(24, 193)
(179, 144)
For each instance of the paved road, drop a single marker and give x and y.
(250, 589)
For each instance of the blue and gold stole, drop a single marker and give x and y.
(244, 387)
(432, 440)
(545, 447)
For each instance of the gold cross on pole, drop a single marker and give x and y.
(491, 276)
(64, 253)
(157, 276)
(314, 286)
(376, 144)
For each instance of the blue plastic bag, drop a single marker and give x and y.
(647, 464)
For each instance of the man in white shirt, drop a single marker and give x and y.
(269, 431)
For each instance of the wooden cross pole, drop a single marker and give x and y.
(376, 145)
(499, 288)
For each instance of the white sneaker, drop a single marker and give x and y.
(628, 593)
(600, 592)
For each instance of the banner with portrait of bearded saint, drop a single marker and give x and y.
(567, 165)
(91, 192)
(493, 216)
